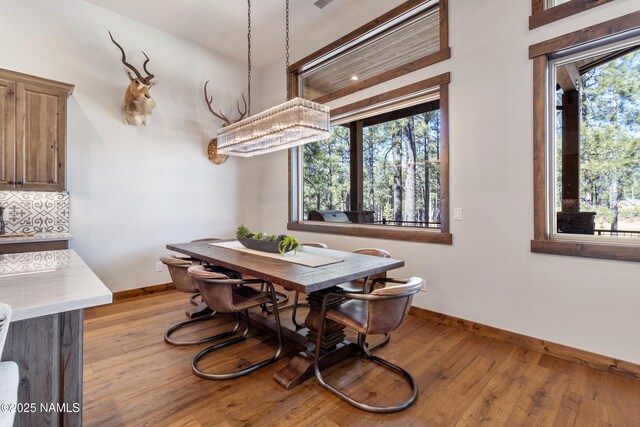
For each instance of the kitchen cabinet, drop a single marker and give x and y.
(33, 129)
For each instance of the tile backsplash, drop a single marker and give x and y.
(35, 211)
(28, 262)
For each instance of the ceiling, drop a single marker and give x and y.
(221, 25)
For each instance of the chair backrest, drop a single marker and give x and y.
(216, 288)
(5, 318)
(178, 271)
(315, 245)
(386, 313)
(373, 252)
(206, 239)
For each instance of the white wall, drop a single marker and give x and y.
(489, 274)
(133, 189)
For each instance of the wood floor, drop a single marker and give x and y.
(132, 378)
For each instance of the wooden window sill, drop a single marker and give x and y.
(410, 234)
(619, 252)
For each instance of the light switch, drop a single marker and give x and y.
(457, 214)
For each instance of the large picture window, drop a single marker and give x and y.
(396, 180)
(384, 170)
(587, 142)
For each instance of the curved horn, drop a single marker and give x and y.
(209, 100)
(124, 58)
(144, 66)
(242, 114)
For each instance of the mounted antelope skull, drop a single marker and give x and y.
(212, 149)
(137, 104)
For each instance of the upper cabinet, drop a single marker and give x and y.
(33, 128)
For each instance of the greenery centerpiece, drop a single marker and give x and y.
(267, 242)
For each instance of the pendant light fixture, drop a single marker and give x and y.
(295, 122)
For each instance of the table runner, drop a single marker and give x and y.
(302, 258)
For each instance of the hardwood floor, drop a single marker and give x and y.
(132, 378)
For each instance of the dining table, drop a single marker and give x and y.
(312, 271)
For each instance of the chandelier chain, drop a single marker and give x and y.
(286, 81)
(249, 56)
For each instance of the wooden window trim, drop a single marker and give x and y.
(596, 32)
(414, 234)
(542, 242)
(541, 15)
(443, 54)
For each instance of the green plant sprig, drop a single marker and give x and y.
(287, 243)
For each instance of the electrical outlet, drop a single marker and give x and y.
(457, 214)
(158, 266)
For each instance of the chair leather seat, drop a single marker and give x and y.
(357, 286)
(245, 297)
(352, 313)
(354, 286)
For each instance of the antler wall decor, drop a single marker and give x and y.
(212, 149)
(137, 104)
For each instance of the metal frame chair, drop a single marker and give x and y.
(197, 261)
(385, 310)
(359, 286)
(225, 295)
(363, 285)
(9, 372)
(178, 270)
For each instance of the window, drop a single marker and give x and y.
(546, 11)
(416, 31)
(384, 171)
(597, 142)
(587, 142)
(393, 178)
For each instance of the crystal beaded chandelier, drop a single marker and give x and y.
(295, 122)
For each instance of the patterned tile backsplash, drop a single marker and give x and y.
(30, 262)
(35, 211)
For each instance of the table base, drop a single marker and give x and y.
(300, 368)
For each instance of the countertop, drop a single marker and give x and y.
(41, 283)
(37, 237)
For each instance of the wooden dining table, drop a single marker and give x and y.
(316, 282)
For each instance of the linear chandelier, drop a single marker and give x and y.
(295, 122)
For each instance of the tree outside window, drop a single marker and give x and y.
(598, 144)
(399, 173)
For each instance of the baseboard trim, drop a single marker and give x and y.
(575, 355)
(147, 290)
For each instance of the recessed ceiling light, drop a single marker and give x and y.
(354, 78)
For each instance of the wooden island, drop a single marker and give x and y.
(48, 291)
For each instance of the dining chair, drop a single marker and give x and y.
(178, 270)
(226, 295)
(360, 286)
(9, 373)
(296, 295)
(378, 312)
(198, 261)
(194, 297)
